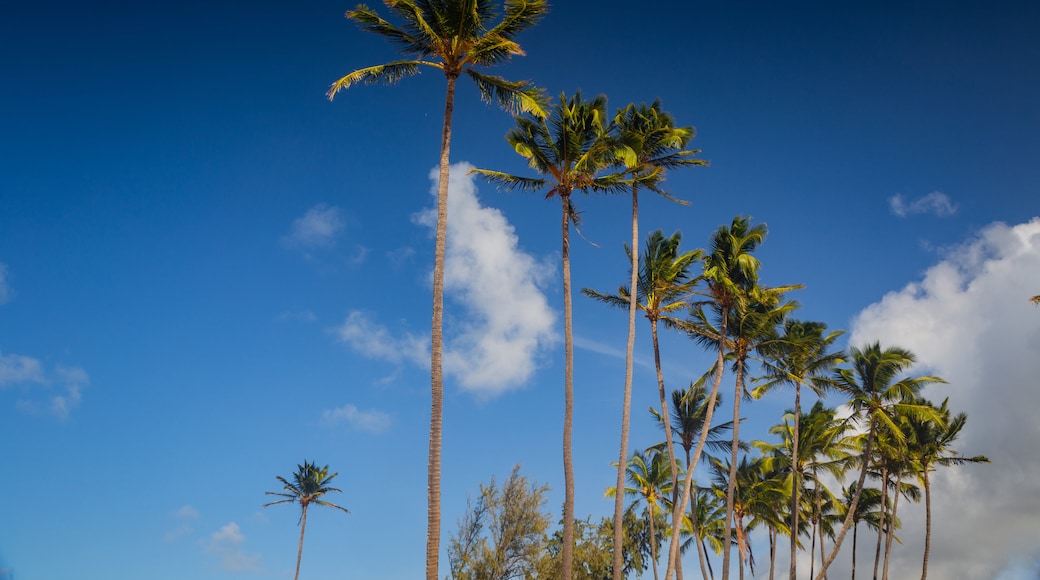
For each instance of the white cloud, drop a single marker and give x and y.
(936, 203)
(508, 321)
(375, 341)
(15, 369)
(318, 228)
(187, 512)
(5, 289)
(227, 544)
(28, 372)
(969, 321)
(371, 421)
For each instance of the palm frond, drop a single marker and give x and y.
(388, 73)
(515, 97)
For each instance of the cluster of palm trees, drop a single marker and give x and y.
(887, 433)
(572, 145)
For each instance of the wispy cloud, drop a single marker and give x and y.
(506, 321)
(936, 203)
(29, 373)
(227, 544)
(297, 316)
(184, 516)
(372, 421)
(5, 289)
(317, 228)
(969, 321)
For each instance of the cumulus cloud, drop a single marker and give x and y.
(5, 289)
(372, 421)
(936, 203)
(227, 544)
(29, 373)
(969, 321)
(318, 228)
(506, 322)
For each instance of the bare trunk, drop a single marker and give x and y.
(299, 551)
(433, 478)
(867, 450)
(711, 572)
(772, 552)
(812, 548)
(891, 526)
(701, 556)
(734, 450)
(567, 551)
(673, 549)
(881, 522)
(619, 498)
(796, 483)
(676, 511)
(854, 530)
(927, 523)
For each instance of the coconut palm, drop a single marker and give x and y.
(801, 357)
(651, 479)
(703, 526)
(649, 144)
(309, 484)
(456, 37)
(755, 493)
(730, 272)
(875, 397)
(569, 149)
(867, 510)
(931, 447)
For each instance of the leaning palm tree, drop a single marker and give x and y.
(663, 287)
(456, 37)
(649, 143)
(932, 447)
(802, 356)
(570, 152)
(309, 484)
(651, 479)
(875, 397)
(730, 273)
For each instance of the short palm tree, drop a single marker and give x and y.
(867, 509)
(876, 396)
(309, 484)
(570, 152)
(455, 37)
(649, 478)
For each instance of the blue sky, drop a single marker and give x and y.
(209, 273)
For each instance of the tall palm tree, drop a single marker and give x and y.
(651, 479)
(663, 288)
(570, 151)
(648, 143)
(309, 484)
(456, 37)
(802, 356)
(730, 272)
(875, 396)
(932, 447)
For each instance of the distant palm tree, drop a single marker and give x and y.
(875, 396)
(867, 509)
(570, 151)
(308, 486)
(651, 479)
(456, 37)
(1035, 299)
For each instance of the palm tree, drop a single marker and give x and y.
(800, 357)
(649, 143)
(867, 509)
(1035, 299)
(704, 526)
(931, 447)
(875, 395)
(663, 286)
(569, 149)
(310, 483)
(651, 480)
(755, 493)
(454, 36)
(730, 271)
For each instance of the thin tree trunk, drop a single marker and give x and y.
(772, 551)
(299, 551)
(819, 513)
(711, 572)
(433, 478)
(676, 511)
(673, 549)
(812, 548)
(619, 499)
(855, 528)
(701, 555)
(881, 522)
(796, 484)
(567, 551)
(653, 541)
(927, 523)
(734, 450)
(867, 450)
(891, 526)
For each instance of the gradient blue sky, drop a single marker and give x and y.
(209, 273)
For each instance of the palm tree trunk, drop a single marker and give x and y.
(711, 572)
(891, 526)
(867, 450)
(812, 548)
(927, 523)
(567, 551)
(881, 522)
(433, 478)
(653, 540)
(676, 511)
(772, 551)
(854, 530)
(796, 484)
(299, 551)
(619, 499)
(734, 450)
(673, 549)
(701, 556)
